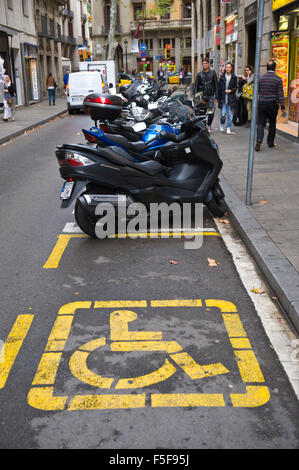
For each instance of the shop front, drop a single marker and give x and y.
(231, 37)
(285, 52)
(30, 64)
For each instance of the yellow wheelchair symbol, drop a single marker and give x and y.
(123, 340)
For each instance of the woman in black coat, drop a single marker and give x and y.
(227, 88)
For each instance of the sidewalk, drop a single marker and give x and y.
(270, 226)
(27, 117)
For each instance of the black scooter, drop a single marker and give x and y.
(187, 172)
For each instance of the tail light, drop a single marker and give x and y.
(98, 99)
(89, 137)
(103, 127)
(66, 158)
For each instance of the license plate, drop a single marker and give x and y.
(77, 98)
(67, 189)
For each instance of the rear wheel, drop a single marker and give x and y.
(84, 220)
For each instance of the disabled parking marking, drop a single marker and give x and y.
(41, 395)
(11, 347)
(64, 239)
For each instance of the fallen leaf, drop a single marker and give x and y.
(263, 202)
(173, 262)
(258, 290)
(223, 221)
(76, 293)
(212, 262)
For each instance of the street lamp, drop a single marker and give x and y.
(126, 46)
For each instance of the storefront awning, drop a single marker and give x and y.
(9, 31)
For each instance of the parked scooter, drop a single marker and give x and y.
(187, 172)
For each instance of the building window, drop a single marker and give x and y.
(149, 44)
(9, 4)
(188, 43)
(52, 28)
(44, 24)
(25, 7)
(186, 10)
(137, 11)
(209, 15)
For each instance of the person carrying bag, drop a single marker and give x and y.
(9, 100)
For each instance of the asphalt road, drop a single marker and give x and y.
(117, 347)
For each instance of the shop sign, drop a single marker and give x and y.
(276, 4)
(280, 53)
(35, 94)
(231, 30)
(250, 13)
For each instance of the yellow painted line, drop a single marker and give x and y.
(223, 305)
(93, 344)
(177, 303)
(249, 367)
(64, 238)
(13, 344)
(107, 402)
(70, 308)
(233, 325)
(159, 375)
(119, 328)
(47, 369)
(43, 398)
(168, 346)
(256, 395)
(186, 399)
(196, 371)
(79, 369)
(120, 303)
(60, 332)
(58, 250)
(240, 343)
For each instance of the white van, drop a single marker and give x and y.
(81, 84)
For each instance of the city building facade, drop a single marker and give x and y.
(19, 48)
(156, 32)
(226, 30)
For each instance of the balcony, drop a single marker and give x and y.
(70, 40)
(118, 30)
(66, 12)
(155, 25)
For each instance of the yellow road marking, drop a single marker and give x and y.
(107, 402)
(196, 371)
(119, 328)
(163, 373)
(64, 238)
(124, 340)
(186, 399)
(13, 344)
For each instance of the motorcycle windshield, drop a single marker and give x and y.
(133, 89)
(176, 111)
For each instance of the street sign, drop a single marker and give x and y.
(143, 47)
(143, 54)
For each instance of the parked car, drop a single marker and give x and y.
(81, 84)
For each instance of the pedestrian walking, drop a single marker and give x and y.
(207, 83)
(247, 91)
(227, 97)
(9, 99)
(51, 85)
(270, 95)
(181, 76)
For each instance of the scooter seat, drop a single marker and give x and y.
(124, 142)
(137, 146)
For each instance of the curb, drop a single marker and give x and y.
(31, 126)
(278, 271)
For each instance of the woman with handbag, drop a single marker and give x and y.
(9, 100)
(51, 85)
(247, 91)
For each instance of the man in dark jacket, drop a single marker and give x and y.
(270, 94)
(207, 83)
(227, 97)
